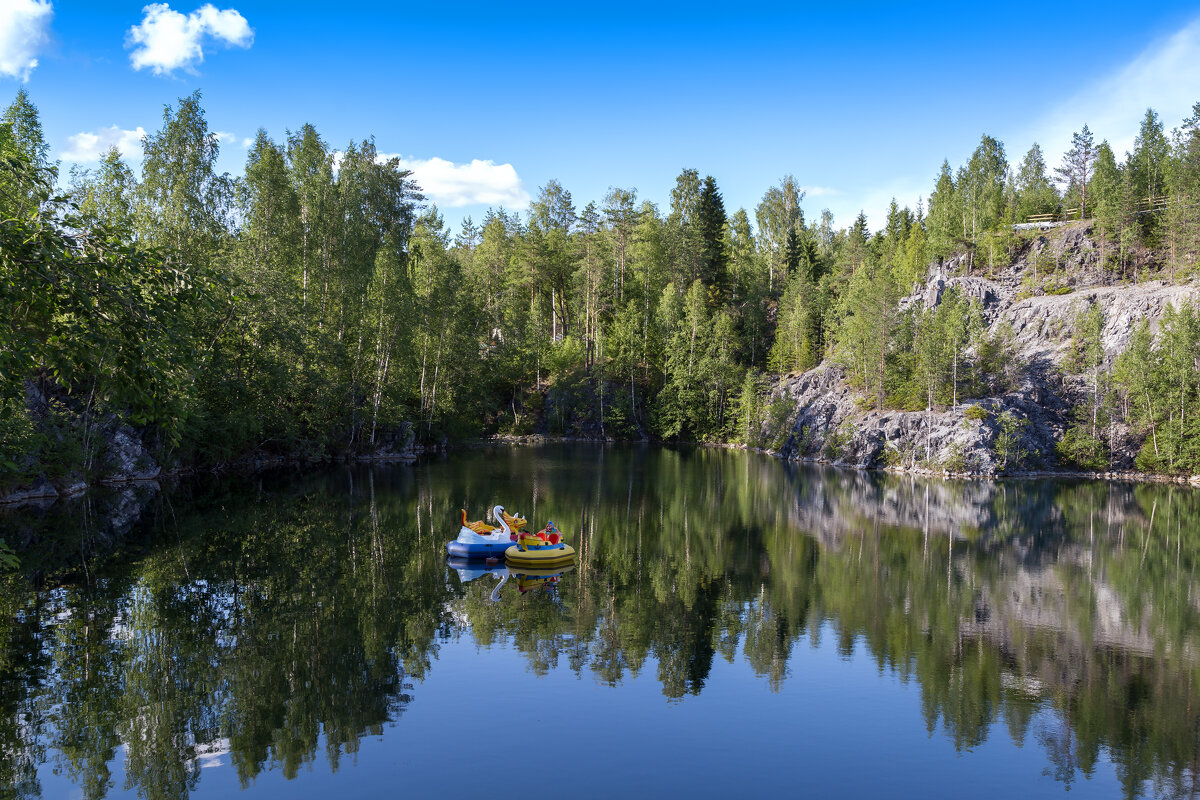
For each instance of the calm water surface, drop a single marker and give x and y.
(733, 625)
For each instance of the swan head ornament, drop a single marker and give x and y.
(498, 514)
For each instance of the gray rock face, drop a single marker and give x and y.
(393, 445)
(830, 426)
(834, 424)
(125, 458)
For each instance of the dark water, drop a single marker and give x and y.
(734, 625)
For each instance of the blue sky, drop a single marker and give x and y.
(861, 102)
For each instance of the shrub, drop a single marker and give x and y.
(835, 443)
(780, 421)
(976, 412)
(1007, 444)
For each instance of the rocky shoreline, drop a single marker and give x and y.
(44, 491)
(829, 425)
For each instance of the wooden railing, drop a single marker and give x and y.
(1146, 205)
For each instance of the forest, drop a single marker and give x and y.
(317, 306)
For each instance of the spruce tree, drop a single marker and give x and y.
(714, 260)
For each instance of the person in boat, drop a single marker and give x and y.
(547, 535)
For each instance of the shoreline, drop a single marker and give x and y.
(43, 490)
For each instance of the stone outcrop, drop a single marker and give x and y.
(833, 423)
(125, 458)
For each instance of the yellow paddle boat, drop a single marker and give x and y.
(542, 550)
(529, 579)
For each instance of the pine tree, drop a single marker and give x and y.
(551, 254)
(1076, 169)
(621, 214)
(1084, 443)
(791, 253)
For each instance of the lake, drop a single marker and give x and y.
(733, 624)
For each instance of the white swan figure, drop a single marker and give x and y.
(499, 534)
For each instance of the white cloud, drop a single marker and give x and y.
(818, 191)
(1165, 76)
(166, 40)
(226, 136)
(92, 145)
(24, 27)
(247, 142)
(476, 183)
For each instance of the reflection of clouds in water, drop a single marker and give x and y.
(209, 754)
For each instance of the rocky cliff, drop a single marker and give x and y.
(829, 423)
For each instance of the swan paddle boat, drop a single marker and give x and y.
(479, 540)
(542, 550)
(469, 569)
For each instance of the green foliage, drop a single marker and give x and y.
(750, 410)
(1084, 444)
(1036, 194)
(999, 362)
(701, 372)
(955, 460)
(1080, 446)
(1076, 169)
(976, 413)
(837, 440)
(1007, 443)
(109, 324)
(1157, 381)
(312, 306)
(799, 333)
(8, 559)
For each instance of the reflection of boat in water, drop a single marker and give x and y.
(480, 540)
(542, 550)
(526, 579)
(469, 569)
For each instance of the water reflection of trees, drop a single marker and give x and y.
(272, 618)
